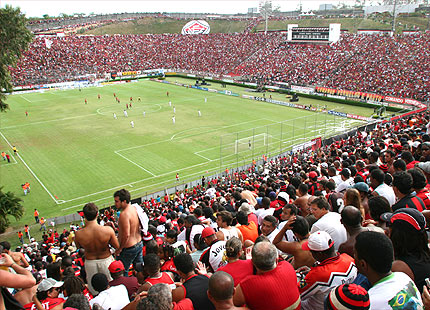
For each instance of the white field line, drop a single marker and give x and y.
(25, 99)
(129, 160)
(31, 171)
(14, 160)
(129, 184)
(208, 159)
(142, 180)
(168, 140)
(134, 108)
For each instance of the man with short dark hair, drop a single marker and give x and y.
(374, 257)
(419, 186)
(129, 234)
(194, 287)
(377, 178)
(17, 257)
(221, 291)
(115, 297)
(346, 182)
(268, 227)
(95, 240)
(272, 279)
(116, 270)
(333, 270)
(226, 231)
(327, 221)
(402, 186)
(351, 219)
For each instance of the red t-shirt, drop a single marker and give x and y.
(280, 284)
(164, 278)
(184, 304)
(47, 304)
(238, 270)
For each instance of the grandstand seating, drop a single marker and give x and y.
(384, 65)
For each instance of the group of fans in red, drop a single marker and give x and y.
(341, 227)
(383, 65)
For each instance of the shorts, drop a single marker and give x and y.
(93, 266)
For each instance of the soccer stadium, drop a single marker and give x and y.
(277, 159)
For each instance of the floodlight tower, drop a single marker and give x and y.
(394, 18)
(265, 11)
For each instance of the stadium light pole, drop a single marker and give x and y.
(393, 29)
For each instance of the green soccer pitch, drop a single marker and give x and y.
(72, 153)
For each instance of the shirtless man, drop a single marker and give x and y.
(17, 257)
(95, 240)
(130, 240)
(300, 228)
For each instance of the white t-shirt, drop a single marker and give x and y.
(386, 191)
(331, 224)
(262, 213)
(396, 291)
(343, 185)
(114, 298)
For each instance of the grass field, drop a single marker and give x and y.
(73, 153)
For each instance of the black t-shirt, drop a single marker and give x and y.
(196, 288)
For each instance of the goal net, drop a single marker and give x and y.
(251, 142)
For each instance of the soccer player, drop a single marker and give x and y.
(170, 103)
(132, 124)
(131, 98)
(98, 96)
(86, 101)
(125, 113)
(126, 105)
(174, 110)
(249, 144)
(114, 116)
(167, 93)
(177, 177)
(206, 99)
(14, 149)
(144, 113)
(173, 120)
(138, 99)
(200, 113)
(114, 95)
(26, 113)
(130, 105)
(3, 154)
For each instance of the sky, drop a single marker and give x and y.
(35, 8)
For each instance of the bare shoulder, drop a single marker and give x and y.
(107, 229)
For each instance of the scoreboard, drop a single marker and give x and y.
(319, 35)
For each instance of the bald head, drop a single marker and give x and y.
(221, 286)
(264, 255)
(351, 216)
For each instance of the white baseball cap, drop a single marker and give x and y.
(318, 241)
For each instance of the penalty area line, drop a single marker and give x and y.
(31, 171)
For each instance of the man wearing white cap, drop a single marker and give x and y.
(333, 270)
(47, 295)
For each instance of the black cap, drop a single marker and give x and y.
(408, 215)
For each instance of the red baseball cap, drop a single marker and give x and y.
(312, 174)
(116, 266)
(208, 231)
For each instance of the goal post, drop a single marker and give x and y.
(250, 142)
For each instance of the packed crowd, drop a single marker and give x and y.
(342, 227)
(397, 66)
